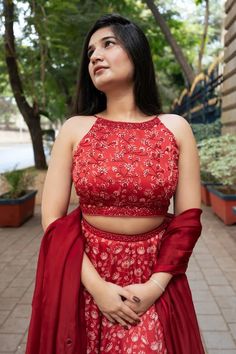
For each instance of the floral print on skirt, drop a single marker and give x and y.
(123, 260)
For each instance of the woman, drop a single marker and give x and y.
(126, 160)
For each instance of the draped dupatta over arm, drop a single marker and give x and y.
(175, 306)
(57, 324)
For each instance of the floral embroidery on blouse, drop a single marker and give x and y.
(124, 168)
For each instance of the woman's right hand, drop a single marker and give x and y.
(108, 297)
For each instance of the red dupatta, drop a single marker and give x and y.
(175, 306)
(57, 323)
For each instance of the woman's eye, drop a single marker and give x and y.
(90, 52)
(108, 42)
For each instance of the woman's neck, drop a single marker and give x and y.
(121, 106)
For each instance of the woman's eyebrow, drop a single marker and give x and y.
(102, 39)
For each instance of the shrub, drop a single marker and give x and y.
(206, 131)
(218, 158)
(18, 182)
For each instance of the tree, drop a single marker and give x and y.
(186, 68)
(42, 65)
(204, 35)
(29, 112)
(52, 32)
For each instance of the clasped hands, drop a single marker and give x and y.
(126, 304)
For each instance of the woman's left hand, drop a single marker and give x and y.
(148, 294)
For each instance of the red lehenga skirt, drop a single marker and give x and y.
(123, 260)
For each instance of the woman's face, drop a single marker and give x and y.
(106, 52)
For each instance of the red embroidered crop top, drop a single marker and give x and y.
(126, 168)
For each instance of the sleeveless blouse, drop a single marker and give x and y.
(126, 168)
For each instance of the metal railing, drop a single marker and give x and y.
(202, 102)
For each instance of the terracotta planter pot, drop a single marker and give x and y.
(14, 212)
(222, 205)
(205, 195)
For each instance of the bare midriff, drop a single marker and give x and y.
(124, 224)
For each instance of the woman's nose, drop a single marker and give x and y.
(96, 55)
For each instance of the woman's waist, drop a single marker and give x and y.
(126, 225)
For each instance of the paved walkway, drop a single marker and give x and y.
(211, 273)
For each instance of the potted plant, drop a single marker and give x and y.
(223, 168)
(206, 155)
(207, 180)
(17, 204)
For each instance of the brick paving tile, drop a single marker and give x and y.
(14, 325)
(9, 342)
(26, 299)
(219, 290)
(231, 275)
(211, 273)
(218, 340)
(202, 295)
(229, 315)
(3, 316)
(7, 304)
(21, 310)
(212, 323)
(233, 284)
(3, 285)
(207, 308)
(196, 275)
(21, 349)
(233, 329)
(198, 284)
(226, 301)
(225, 351)
(24, 340)
(13, 292)
(19, 281)
(217, 280)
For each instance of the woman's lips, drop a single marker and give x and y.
(99, 70)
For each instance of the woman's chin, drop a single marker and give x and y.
(105, 86)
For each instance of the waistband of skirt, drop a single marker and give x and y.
(125, 237)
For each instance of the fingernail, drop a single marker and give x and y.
(136, 299)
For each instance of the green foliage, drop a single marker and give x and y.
(52, 34)
(217, 158)
(207, 177)
(198, 2)
(7, 109)
(49, 49)
(18, 181)
(204, 131)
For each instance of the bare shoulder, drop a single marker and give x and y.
(179, 126)
(76, 127)
(78, 122)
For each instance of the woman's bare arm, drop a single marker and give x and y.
(188, 192)
(57, 184)
(55, 201)
(187, 196)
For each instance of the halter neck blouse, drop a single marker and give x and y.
(126, 168)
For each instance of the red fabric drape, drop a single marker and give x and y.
(57, 321)
(175, 307)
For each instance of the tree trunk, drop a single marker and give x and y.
(203, 43)
(186, 68)
(30, 114)
(36, 137)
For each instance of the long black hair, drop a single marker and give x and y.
(89, 100)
